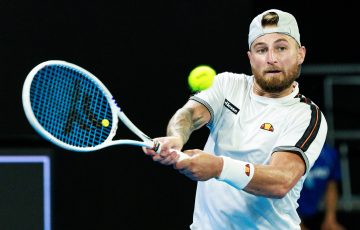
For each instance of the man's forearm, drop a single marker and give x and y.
(331, 197)
(181, 124)
(272, 180)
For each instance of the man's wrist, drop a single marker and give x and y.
(219, 167)
(236, 173)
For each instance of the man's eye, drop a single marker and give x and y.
(261, 51)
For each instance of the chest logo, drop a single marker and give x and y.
(267, 127)
(231, 106)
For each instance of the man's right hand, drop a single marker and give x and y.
(167, 155)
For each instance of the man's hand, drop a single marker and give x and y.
(200, 166)
(167, 155)
(331, 224)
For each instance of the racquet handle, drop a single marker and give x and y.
(182, 156)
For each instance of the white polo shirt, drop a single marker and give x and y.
(250, 128)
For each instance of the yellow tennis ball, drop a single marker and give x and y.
(201, 78)
(105, 122)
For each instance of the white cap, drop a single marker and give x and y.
(286, 25)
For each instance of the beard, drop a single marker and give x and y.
(278, 83)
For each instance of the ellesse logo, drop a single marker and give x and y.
(247, 169)
(267, 126)
(231, 106)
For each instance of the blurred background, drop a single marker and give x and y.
(143, 52)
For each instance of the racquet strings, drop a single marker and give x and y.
(70, 106)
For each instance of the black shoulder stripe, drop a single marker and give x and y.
(303, 98)
(312, 129)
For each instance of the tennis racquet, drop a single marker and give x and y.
(70, 107)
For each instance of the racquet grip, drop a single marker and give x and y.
(182, 156)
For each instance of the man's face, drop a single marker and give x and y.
(275, 61)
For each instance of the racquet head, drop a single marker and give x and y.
(69, 106)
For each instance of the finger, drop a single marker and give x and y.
(167, 161)
(185, 172)
(164, 154)
(188, 174)
(157, 158)
(148, 151)
(170, 159)
(192, 152)
(183, 164)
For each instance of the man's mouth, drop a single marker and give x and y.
(272, 71)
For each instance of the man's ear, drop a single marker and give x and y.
(301, 55)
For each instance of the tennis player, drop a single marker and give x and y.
(264, 135)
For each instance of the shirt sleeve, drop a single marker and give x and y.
(224, 85)
(305, 134)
